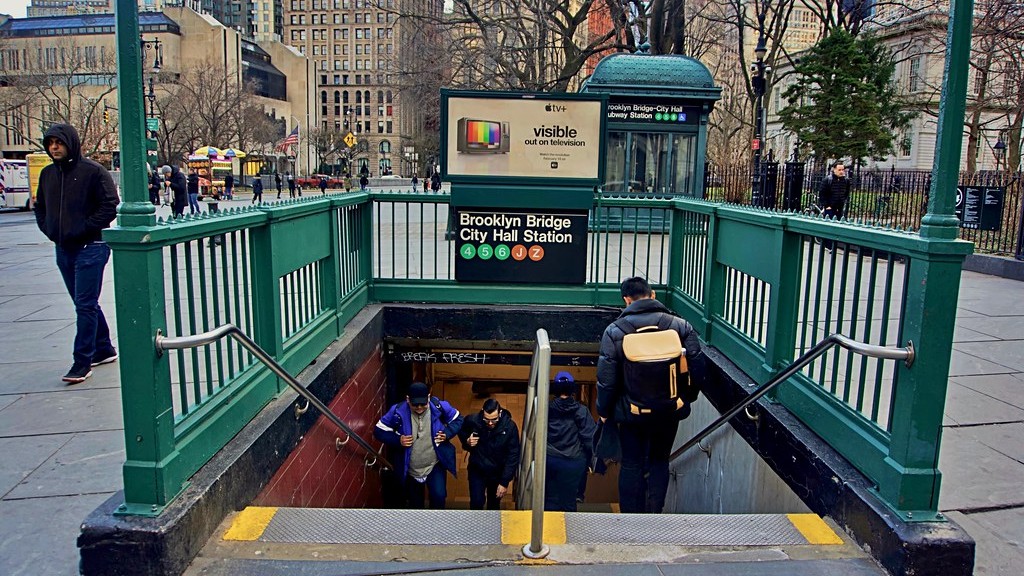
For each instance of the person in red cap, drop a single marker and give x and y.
(422, 428)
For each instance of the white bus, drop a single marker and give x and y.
(14, 190)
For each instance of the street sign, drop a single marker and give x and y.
(349, 140)
(152, 124)
(521, 246)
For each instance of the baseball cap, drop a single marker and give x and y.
(564, 377)
(418, 393)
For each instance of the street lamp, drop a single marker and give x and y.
(758, 84)
(999, 151)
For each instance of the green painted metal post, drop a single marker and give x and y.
(714, 280)
(266, 307)
(911, 478)
(366, 247)
(784, 306)
(136, 210)
(330, 274)
(145, 377)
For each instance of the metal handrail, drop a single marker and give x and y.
(871, 350)
(204, 338)
(532, 467)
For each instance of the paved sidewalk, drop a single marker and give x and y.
(62, 447)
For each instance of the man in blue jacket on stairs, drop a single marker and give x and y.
(422, 427)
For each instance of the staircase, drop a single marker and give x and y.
(299, 541)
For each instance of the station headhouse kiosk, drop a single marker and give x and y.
(657, 116)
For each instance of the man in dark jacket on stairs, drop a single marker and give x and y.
(646, 438)
(75, 201)
(492, 440)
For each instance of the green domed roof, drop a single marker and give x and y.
(646, 74)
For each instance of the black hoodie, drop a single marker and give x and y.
(496, 455)
(571, 430)
(76, 198)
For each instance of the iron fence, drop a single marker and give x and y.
(889, 198)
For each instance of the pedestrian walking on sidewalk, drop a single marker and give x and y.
(277, 182)
(193, 192)
(257, 190)
(291, 184)
(179, 187)
(76, 200)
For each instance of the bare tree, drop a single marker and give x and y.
(326, 142)
(206, 109)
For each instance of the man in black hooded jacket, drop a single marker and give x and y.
(492, 439)
(76, 200)
(646, 438)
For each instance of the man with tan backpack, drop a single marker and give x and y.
(649, 371)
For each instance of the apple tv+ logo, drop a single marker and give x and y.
(554, 108)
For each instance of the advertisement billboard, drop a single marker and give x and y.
(501, 135)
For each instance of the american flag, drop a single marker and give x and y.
(291, 139)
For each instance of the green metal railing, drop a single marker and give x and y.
(761, 287)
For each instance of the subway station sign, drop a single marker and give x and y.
(521, 246)
(640, 110)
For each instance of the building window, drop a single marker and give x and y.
(914, 84)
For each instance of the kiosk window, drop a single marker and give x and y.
(615, 162)
(653, 162)
(683, 167)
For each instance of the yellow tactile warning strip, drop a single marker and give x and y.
(516, 524)
(512, 528)
(250, 523)
(814, 529)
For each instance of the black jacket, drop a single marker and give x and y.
(193, 183)
(76, 198)
(179, 187)
(833, 192)
(571, 430)
(643, 312)
(496, 455)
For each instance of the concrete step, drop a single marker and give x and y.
(297, 541)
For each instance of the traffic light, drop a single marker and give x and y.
(106, 115)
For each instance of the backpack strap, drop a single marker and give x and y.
(440, 413)
(626, 327)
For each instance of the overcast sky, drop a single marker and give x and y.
(15, 8)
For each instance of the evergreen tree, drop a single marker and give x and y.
(844, 103)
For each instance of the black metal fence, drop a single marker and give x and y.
(890, 198)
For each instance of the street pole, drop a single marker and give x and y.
(758, 83)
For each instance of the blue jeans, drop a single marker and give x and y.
(437, 489)
(82, 270)
(193, 203)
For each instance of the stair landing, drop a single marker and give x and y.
(298, 541)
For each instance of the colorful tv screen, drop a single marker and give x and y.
(483, 134)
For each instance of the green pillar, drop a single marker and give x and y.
(940, 222)
(135, 210)
(911, 480)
